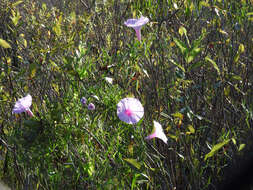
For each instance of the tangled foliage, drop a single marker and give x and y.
(192, 71)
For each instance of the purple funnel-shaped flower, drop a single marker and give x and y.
(158, 133)
(83, 100)
(91, 106)
(136, 24)
(23, 105)
(130, 110)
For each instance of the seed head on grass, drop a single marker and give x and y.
(158, 133)
(137, 24)
(23, 105)
(130, 110)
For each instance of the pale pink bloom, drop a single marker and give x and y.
(137, 24)
(130, 110)
(23, 105)
(158, 133)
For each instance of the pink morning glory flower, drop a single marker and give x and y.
(23, 105)
(158, 133)
(130, 110)
(136, 24)
(91, 106)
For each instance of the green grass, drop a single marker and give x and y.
(192, 71)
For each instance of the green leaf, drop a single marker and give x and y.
(57, 27)
(249, 14)
(181, 46)
(216, 148)
(17, 3)
(192, 54)
(213, 64)
(133, 162)
(182, 31)
(15, 17)
(191, 130)
(178, 115)
(241, 49)
(195, 65)
(4, 44)
(241, 147)
(179, 66)
(234, 141)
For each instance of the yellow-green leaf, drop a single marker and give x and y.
(241, 48)
(17, 3)
(178, 65)
(234, 141)
(215, 148)
(133, 162)
(178, 115)
(4, 44)
(213, 64)
(191, 130)
(182, 31)
(15, 17)
(241, 147)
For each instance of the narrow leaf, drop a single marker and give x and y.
(133, 162)
(215, 148)
(17, 3)
(213, 64)
(179, 66)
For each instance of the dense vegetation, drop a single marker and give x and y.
(192, 72)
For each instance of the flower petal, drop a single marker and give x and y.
(158, 133)
(136, 23)
(23, 104)
(130, 110)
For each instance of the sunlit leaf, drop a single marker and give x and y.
(133, 162)
(234, 141)
(181, 45)
(16, 3)
(15, 17)
(4, 44)
(182, 31)
(213, 64)
(241, 49)
(215, 148)
(223, 32)
(249, 14)
(172, 136)
(241, 147)
(191, 130)
(178, 115)
(178, 65)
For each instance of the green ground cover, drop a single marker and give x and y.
(191, 71)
